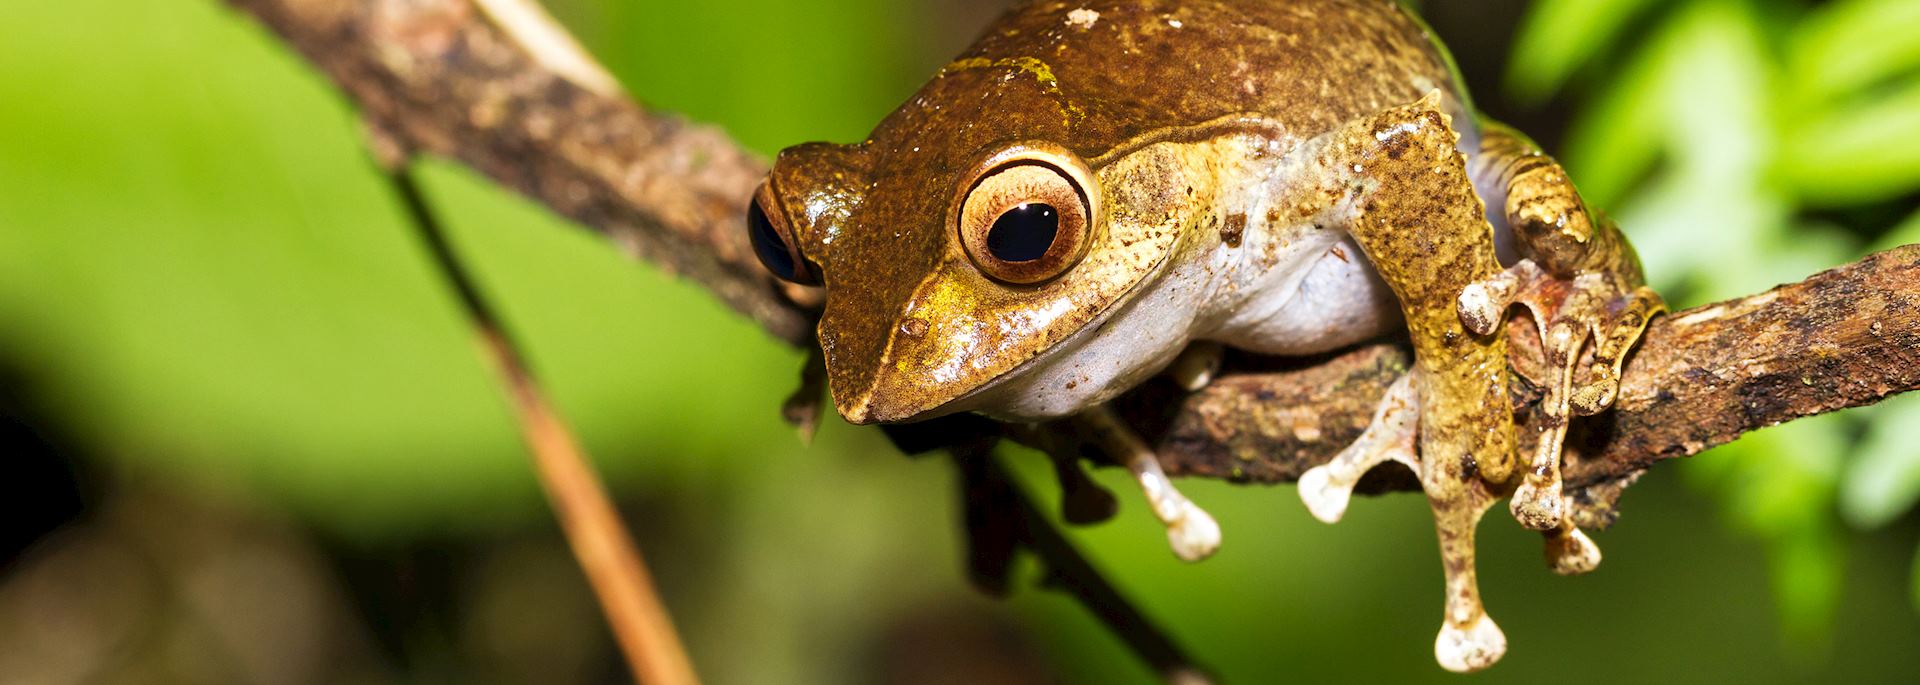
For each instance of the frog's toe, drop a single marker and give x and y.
(1570, 552)
(1483, 304)
(1196, 366)
(1325, 497)
(1326, 489)
(1537, 504)
(1613, 338)
(1082, 501)
(1469, 647)
(1194, 534)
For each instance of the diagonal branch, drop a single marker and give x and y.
(444, 81)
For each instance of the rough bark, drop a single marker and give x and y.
(1845, 337)
(434, 76)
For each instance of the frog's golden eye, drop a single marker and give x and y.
(773, 239)
(1027, 218)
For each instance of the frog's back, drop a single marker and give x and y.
(1098, 73)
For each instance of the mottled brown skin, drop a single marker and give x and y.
(1298, 68)
(1151, 93)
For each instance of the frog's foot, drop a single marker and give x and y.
(1570, 552)
(1468, 640)
(1595, 317)
(1326, 488)
(1192, 532)
(1197, 365)
(1082, 501)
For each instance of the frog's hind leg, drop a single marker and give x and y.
(1581, 284)
(1192, 532)
(1399, 184)
(1327, 488)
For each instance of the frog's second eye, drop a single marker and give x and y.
(773, 240)
(1025, 222)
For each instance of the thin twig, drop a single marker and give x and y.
(600, 541)
(1070, 572)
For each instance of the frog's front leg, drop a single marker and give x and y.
(1581, 283)
(1192, 532)
(1400, 186)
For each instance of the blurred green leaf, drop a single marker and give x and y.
(1777, 484)
(1844, 46)
(1859, 151)
(1807, 566)
(1696, 100)
(1629, 107)
(1883, 479)
(1557, 37)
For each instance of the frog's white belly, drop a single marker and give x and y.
(1337, 301)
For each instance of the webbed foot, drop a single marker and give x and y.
(1191, 531)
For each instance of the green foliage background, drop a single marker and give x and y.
(204, 281)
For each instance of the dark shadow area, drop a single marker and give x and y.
(42, 489)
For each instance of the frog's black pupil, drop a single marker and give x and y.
(1023, 233)
(768, 245)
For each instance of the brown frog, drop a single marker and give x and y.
(1095, 187)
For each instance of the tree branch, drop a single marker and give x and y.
(441, 79)
(444, 81)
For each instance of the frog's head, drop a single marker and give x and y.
(966, 239)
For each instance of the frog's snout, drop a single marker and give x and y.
(887, 396)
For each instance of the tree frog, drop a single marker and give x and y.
(1097, 186)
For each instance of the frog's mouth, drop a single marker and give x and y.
(943, 359)
(900, 397)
